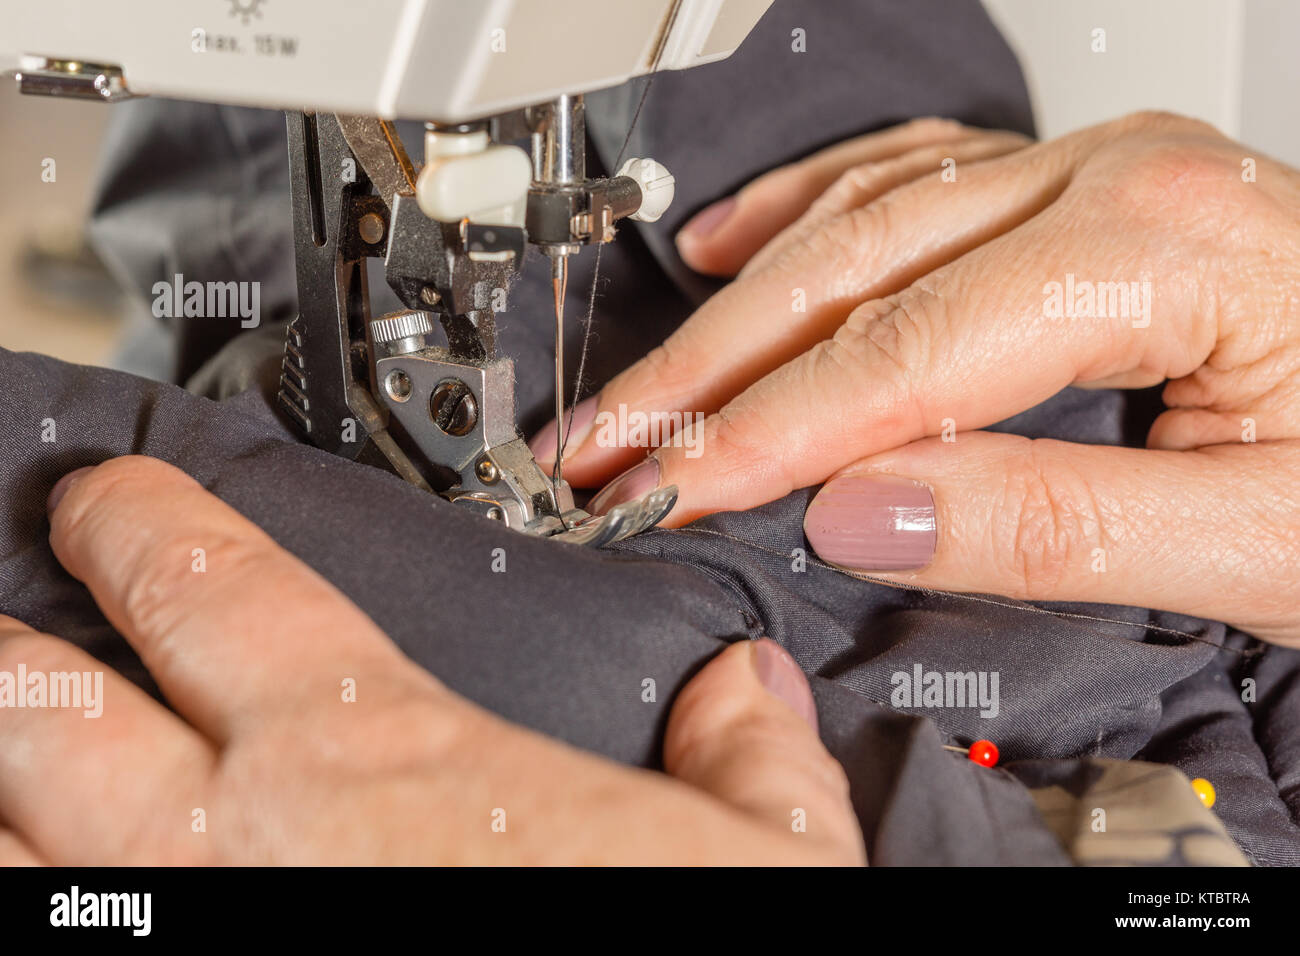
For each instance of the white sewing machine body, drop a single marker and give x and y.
(483, 75)
(442, 60)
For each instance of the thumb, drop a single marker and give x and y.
(744, 730)
(1211, 533)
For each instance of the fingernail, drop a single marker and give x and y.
(62, 485)
(872, 523)
(630, 485)
(779, 673)
(578, 422)
(709, 219)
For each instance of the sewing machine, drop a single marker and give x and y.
(452, 232)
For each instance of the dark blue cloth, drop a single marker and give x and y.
(563, 640)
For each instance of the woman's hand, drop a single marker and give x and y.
(1145, 250)
(302, 735)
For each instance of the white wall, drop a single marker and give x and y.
(1234, 63)
(1270, 113)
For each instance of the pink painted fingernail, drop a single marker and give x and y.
(779, 673)
(62, 485)
(872, 523)
(630, 485)
(709, 219)
(578, 422)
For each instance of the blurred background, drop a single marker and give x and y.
(54, 297)
(1230, 62)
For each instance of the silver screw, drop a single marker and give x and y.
(398, 385)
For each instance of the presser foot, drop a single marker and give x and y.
(622, 521)
(578, 526)
(457, 416)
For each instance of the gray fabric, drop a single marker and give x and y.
(563, 640)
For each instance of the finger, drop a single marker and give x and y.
(1137, 378)
(92, 770)
(794, 304)
(1213, 533)
(232, 626)
(963, 325)
(860, 185)
(937, 356)
(720, 239)
(1273, 415)
(744, 730)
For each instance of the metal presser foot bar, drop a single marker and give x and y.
(378, 390)
(437, 409)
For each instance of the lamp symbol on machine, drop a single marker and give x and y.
(246, 9)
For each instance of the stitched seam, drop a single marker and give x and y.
(979, 599)
(745, 607)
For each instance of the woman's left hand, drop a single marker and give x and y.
(301, 734)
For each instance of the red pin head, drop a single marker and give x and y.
(984, 753)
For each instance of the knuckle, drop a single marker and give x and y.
(905, 336)
(852, 186)
(935, 126)
(738, 435)
(1182, 173)
(90, 494)
(665, 370)
(1054, 523)
(853, 238)
(838, 229)
(1007, 137)
(1174, 175)
(115, 476)
(164, 587)
(661, 360)
(898, 335)
(880, 352)
(1162, 120)
(155, 589)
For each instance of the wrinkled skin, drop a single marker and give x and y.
(255, 652)
(926, 311)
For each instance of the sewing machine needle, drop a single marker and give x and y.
(559, 280)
